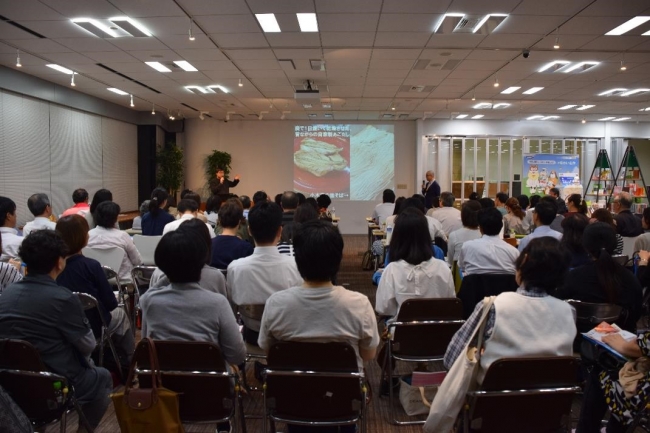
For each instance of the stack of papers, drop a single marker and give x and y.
(596, 336)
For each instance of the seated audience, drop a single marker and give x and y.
(251, 280)
(527, 322)
(85, 275)
(470, 231)
(278, 200)
(575, 204)
(524, 202)
(557, 222)
(500, 202)
(10, 239)
(301, 198)
(447, 214)
(317, 311)
(191, 195)
(100, 196)
(187, 210)
(39, 205)
(212, 207)
(154, 221)
(643, 241)
(528, 220)
(486, 203)
(105, 235)
(385, 209)
(412, 272)
(489, 254)
(212, 279)
(574, 225)
(627, 224)
(80, 200)
(227, 247)
(435, 228)
(605, 216)
(324, 201)
(51, 318)
(312, 201)
(246, 204)
(390, 221)
(289, 202)
(561, 205)
(602, 280)
(260, 197)
(544, 215)
(9, 272)
(513, 220)
(137, 221)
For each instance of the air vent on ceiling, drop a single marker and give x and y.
(403, 116)
(21, 27)
(450, 64)
(416, 89)
(421, 64)
(387, 116)
(127, 77)
(189, 106)
(426, 64)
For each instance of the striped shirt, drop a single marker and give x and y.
(8, 275)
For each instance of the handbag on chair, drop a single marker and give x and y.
(461, 378)
(147, 410)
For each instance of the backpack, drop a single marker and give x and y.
(368, 262)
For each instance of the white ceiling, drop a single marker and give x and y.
(369, 47)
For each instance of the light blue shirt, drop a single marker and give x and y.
(539, 232)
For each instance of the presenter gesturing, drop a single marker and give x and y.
(221, 186)
(430, 190)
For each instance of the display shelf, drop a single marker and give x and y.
(601, 182)
(629, 178)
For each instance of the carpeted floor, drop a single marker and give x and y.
(352, 277)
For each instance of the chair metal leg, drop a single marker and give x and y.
(391, 398)
(82, 417)
(111, 345)
(242, 415)
(63, 422)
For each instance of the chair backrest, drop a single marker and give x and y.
(621, 259)
(475, 287)
(330, 391)
(142, 277)
(424, 327)
(195, 370)
(108, 257)
(588, 314)
(88, 302)
(37, 392)
(628, 245)
(146, 245)
(524, 394)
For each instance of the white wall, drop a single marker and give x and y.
(262, 153)
(52, 149)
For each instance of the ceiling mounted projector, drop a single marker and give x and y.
(309, 94)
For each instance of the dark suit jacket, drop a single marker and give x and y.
(222, 188)
(627, 224)
(431, 194)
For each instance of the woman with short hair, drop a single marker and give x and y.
(226, 246)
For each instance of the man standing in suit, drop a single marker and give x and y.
(221, 186)
(430, 191)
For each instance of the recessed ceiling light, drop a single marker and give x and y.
(326, 106)
(645, 109)
(537, 116)
(95, 27)
(306, 105)
(620, 119)
(268, 23)
(611, 92)
(201, 89)
(158, 66)
(482, 106)
(634, 92)
(185, 66)
(307, 22)
(461, 116)
(566, 107)
(550, 117)
(218, 86)
(312, 115)
(510, 90)
(500, 105)
(487, 17)
(604, 119)
(328, 115)
(585, 107)
(627, 26)
(478, 116)
(439, 24)
(532, 90)
(118, 91)
(550, 65)
(584, 65)
(60, 69)
(130, 26)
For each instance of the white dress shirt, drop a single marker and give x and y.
(102, 238)
(10, 243)
(435, 229)
(487, 255)
(457, 239)
(401, 281)
(539, 232)
(170, 227)
(383, 211)
(449, 217)
(39, 223)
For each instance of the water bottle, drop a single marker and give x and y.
(389, 233)
(333, 213)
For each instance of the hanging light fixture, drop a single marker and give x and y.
(72, 80)
(132, 105)
(18, 64)
(190, 31)
(240, 83)
(584, 121)
(153, 108)
(474, 95)
(623, 67)
(496, 82)
(556, 45)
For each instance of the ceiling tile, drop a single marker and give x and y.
(567, 42)
(408, 22)
(66, 59)
(29, 10)
(530, 24)
(265, 54)
(342, 64)
(494, 6)
(396, 54)
(391, 73)
(280, 6)
(295, 39)
(590, 25)
(402, 39)
(214, 65)
(346, 91)
(223, 74)
(155, 55)
(241, 40)
(144, 8)
(55, 29)
(298, 53)
(347, 54)
(108, 57)
(183, 42)
(87, 44)
(348, 39)
(138, 44)
(391, 64)
(621, 8)
(347, 22)
(509, 41)
(201, 54)
(415, 6)
(615, 43)
(86, 8)
(455, 41)
(346, 6)
(166, 25)
(257, 64)
(229, 23)
(39, 46)
(265, 73)
(212, 7)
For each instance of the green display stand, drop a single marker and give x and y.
(630, 179)
(601, 182)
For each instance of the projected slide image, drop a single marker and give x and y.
(354, 162)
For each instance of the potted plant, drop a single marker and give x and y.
(170, 168)
(217, 159)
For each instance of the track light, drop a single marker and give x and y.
(18, 64)
(132, 105)
(153, 108)
(623, 67)
(170, 115)
(496, 82)
(190, 32)
(474, 95)
(240, 83)
(584, 121)
(72, 80)
(556, 45)
(202, 114)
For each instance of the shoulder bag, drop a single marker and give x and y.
(461, 378)
(147, 410)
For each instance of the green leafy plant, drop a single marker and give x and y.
(217, 159)
(170, 168)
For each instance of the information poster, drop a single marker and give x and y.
(543, 171)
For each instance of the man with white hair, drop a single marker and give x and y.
(627, 224)
(430, 191)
